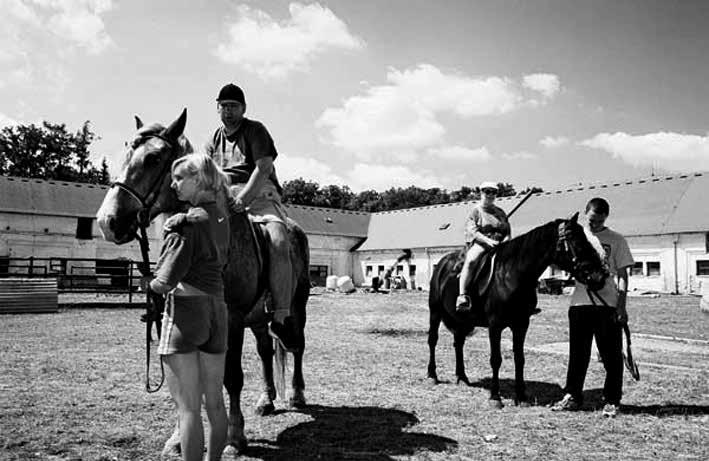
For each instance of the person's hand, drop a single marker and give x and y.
(145, 283)
(174, 222)
(197, 214)
(621, 314)
(237, 205)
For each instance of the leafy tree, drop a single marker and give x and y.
(49, 151)
(300, 192)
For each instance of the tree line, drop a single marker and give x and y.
(50, 151)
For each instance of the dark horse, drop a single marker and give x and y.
(510, 296)
(147, 173)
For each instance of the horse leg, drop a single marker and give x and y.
(495, 362)
(297, 398)
(264, 346)
(518, 335)
(458, 342)
(234, 383)
(434, 323)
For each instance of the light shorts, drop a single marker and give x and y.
(194, 323)
(267, 206)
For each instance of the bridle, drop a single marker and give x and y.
(564, 247)
(142, 220)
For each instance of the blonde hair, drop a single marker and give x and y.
(209, 176)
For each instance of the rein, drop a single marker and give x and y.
(143, 221)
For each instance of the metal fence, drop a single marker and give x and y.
(79, 275)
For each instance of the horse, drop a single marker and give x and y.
(507, 294)
(144, 188)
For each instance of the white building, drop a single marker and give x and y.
(663, 218)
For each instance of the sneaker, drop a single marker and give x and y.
(285, 333)
(568, 403)
(610, 410)
(462, 304)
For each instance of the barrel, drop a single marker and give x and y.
(331, 282)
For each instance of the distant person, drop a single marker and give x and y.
(246, 152)
(486, 227)
(193, 342)
(600, 316)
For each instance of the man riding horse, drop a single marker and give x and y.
(244, 149)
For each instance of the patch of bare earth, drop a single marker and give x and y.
(71, 388)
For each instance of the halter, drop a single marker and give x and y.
(142, 220)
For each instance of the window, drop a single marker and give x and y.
(318, 275)
(653, 268)
(412, 270)
(444, 226)
(399, 269)
(637, 268)
(84, 228)
(380, 270)
(368, 271)
(703, 267)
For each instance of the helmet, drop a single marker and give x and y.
(231, 92)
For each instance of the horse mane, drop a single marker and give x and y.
(523, 244)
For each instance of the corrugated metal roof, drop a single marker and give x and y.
(658, 205)
(60, 198)
(54, 198)
(330, 221)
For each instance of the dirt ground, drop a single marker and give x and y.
(71, 388)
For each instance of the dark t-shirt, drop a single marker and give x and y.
(196, 253)
(237, 153)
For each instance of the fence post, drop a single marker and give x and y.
(130, 281)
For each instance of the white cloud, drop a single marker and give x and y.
(554, 142)
(668, 150)
(272, 49)
(546, 84)
(521, 155)
(402, 115)
(480, 154)
(381, 177)
(80, 22)
(289, 168)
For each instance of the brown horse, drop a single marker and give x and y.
(511, 295)
(144, 187)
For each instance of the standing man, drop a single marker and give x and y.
(600, 315)
(244, 149)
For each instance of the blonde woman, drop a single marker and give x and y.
(194, 334)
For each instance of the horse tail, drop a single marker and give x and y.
(279, 379)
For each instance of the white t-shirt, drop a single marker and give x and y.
(617, 257)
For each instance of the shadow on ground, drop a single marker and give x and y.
(341, 433)
(539, 393)
(667, 409)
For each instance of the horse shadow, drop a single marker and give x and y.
(341, 433)
(667, 409)
(540, 393)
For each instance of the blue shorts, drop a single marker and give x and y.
(194, 323)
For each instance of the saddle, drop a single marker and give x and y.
(481, 271)
(256, 315)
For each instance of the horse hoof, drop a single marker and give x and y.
(297, 401)
(264, 410)
(234, 450)
(496, 404)
(463, 380)
(433, 381)
(523, 403)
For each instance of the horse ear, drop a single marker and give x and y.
(574, 217)
(176, 128)
(138, 122)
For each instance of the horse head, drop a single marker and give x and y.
(143, 189)
(577, 255)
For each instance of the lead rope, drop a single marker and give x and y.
(145, 271)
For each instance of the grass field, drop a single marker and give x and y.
(71, 388)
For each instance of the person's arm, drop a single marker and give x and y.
(261, 173)
(621, 312)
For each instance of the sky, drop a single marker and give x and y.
(379, 94)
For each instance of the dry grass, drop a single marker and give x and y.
(71, 389)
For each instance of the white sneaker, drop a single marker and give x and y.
(610, 410)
